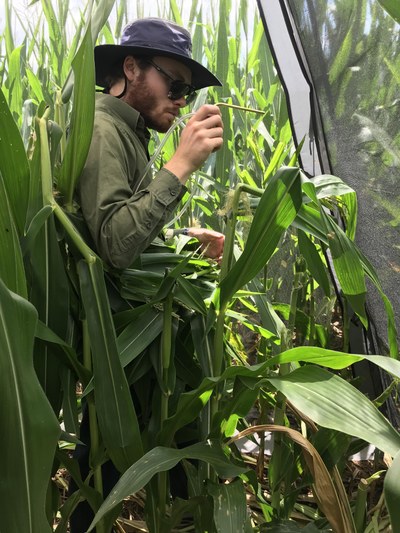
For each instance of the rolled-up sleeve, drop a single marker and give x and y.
(124, 212)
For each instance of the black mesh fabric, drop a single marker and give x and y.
(353, 53)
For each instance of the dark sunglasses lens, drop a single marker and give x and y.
(190, 97)
(178, 89)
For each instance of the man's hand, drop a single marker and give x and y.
(201, 136)
(212, 242)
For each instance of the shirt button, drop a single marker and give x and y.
(172, 192)
(148, 225)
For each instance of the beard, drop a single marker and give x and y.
(142, 98)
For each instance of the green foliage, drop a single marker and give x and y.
(176, 327)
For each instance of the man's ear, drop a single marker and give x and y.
(130, 66)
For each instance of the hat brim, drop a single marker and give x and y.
(106, 55)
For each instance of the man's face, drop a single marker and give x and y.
(148, 92)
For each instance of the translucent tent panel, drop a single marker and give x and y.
(340, 63)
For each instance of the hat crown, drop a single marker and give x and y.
(159, 34)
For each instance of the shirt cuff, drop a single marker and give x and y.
(166, 187)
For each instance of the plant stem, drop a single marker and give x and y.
(166, 340)
(47, 192)
(87, 253)
(45, 160)
(60, 119)
(361, 505)
(311, 341)
(241, 108)
(280, 406)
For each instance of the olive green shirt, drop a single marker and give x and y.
(123, 212)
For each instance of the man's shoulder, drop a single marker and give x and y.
(114, 111)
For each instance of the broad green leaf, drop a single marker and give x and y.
(35, 226)
(275, 212)
(189, 406)
(35, 85)
(137, 336)
(392, 7)
(49, 292)
(333, 359)
(31, 429)
(348, 267)
(391, 490)
(238, 406)
(116, 414)
(45, 334)
(160, 459)
(13, 166)
(11, 265)
(69, 404)
(81, 119)
(203, 344)
(309, 220)
(315, 264)
(230, 511)
(269, 318)
(290, 526)
(189, 295)
(15, 82)
(100, 16)
(333, 403)
(392, 329)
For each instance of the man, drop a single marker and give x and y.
(147, 79)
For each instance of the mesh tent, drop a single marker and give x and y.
(339, 61)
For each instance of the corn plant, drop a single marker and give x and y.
(178, 341)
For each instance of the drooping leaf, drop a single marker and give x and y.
(336, 510)
(334, 359)
(333, 403)
(314, 262)
(159, 460)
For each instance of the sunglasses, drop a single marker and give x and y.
(177, 88)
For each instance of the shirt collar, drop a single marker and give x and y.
(132, 117)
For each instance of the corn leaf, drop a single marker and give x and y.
(49, 292)
(81, 119)
(333, 403)
(11, 265)
(230, 513)
(335, 508)
(391, 490)
(13, 166)
(392, 7)
(30, 427)
(160, 459)
(275, 212)
(137, 336)
(314, 262)
(117, 418)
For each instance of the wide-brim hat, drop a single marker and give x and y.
(152, 37)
